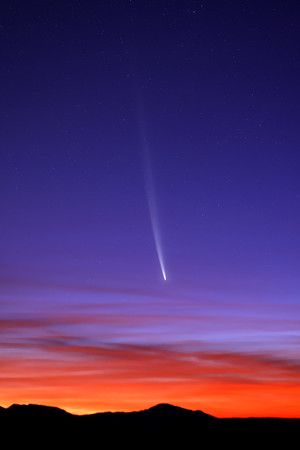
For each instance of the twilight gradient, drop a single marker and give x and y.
(86, 321)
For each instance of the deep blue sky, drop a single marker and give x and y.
(219, 84)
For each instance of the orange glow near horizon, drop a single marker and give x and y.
(219, 400)
(224, 385)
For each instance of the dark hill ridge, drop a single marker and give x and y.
(159, 410)
(163, 421)
(36, 410)
(165, 409)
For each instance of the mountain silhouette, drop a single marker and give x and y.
(165, 409)
(162, 423)
(32, 410)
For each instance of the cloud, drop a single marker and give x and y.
(89, 352)
(65, 371)
(132, 361)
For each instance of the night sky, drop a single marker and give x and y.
(137, 137)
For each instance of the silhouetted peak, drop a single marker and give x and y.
(40, 410)
(168, 410)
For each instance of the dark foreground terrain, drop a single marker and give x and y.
(160, 425)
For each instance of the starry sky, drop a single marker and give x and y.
(125, 119)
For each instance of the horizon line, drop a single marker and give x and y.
(72, 412)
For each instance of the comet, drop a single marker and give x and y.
(151, 194)
(152, 205)
(153, 213)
